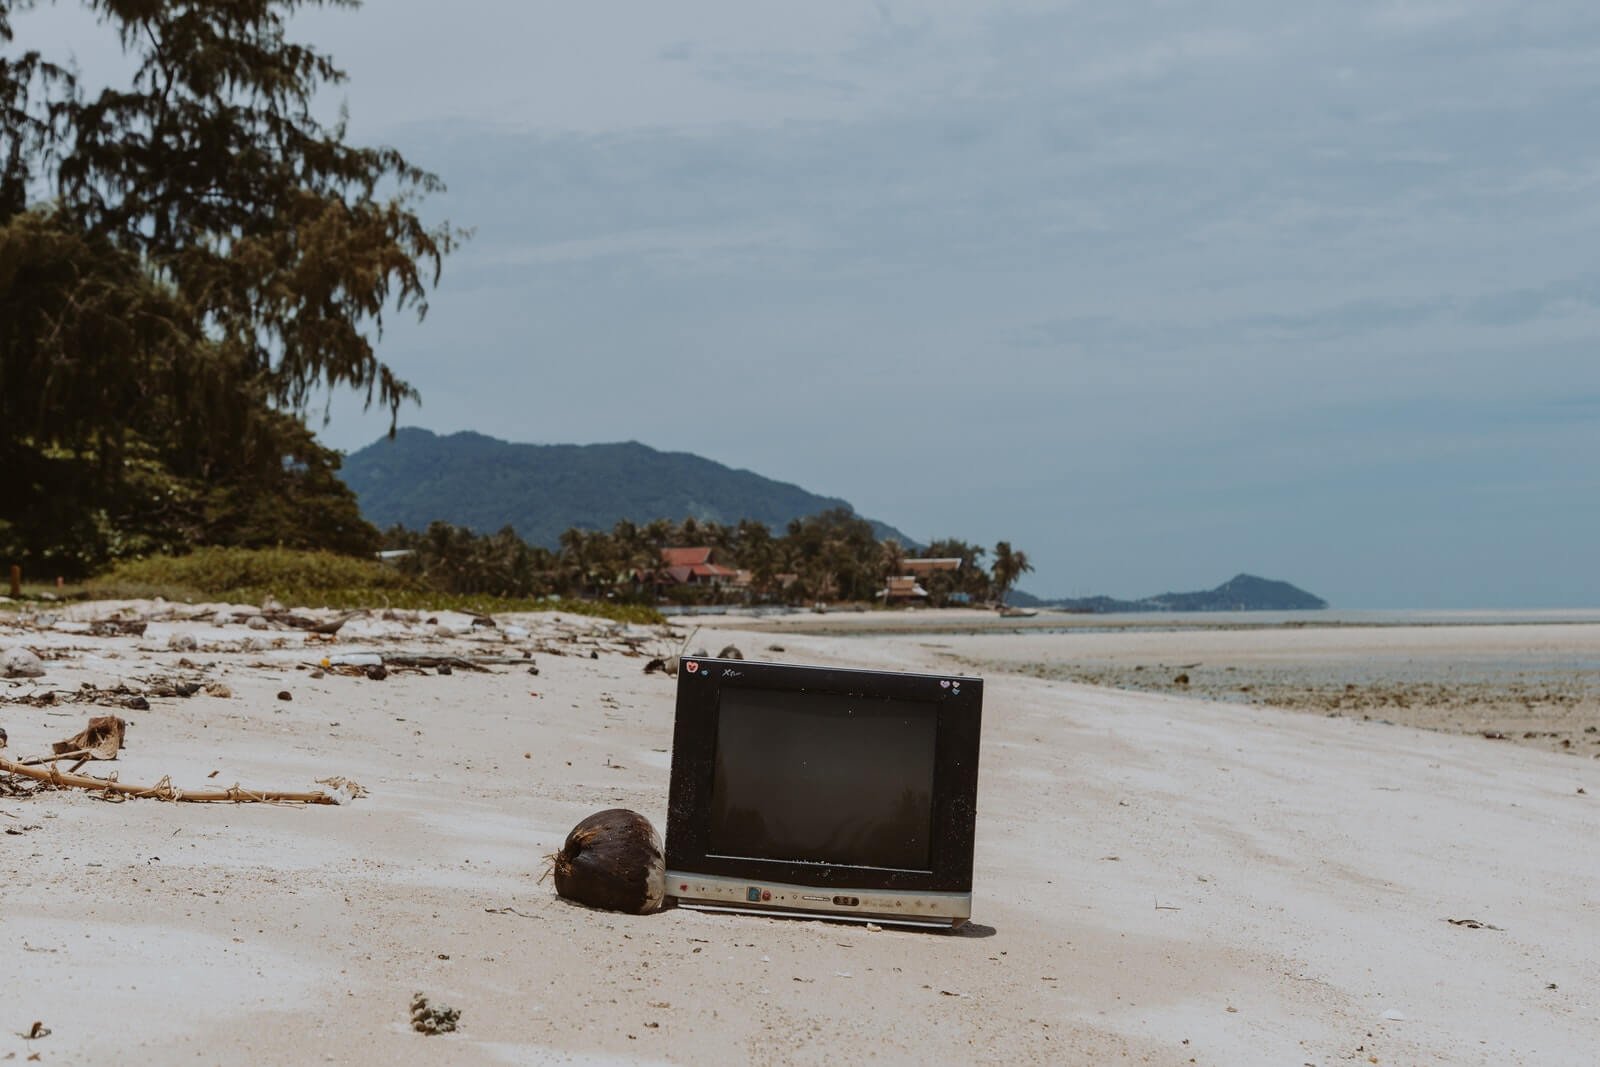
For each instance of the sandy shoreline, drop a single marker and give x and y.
(1159, 877)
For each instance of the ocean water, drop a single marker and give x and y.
(1174, 620)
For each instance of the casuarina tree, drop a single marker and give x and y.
(185, 262)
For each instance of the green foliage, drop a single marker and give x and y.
(969, 579)
(319, 579)
(831, 556)
(1009, 565)
(250, 575)
(211, 256)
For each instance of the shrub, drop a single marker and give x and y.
(317, 579)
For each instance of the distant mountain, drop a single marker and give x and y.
(472, 480)
(1243, 592)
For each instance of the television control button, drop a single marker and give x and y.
(766, 894)
(847, 902)
(753, 894)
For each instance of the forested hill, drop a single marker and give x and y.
(1242, 592)
(484, 483)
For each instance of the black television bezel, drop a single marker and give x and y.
(958, 702)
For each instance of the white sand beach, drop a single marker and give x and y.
(1159, 879)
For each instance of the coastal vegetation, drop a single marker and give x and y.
(319, 579)
(186, 260)
(830, 557)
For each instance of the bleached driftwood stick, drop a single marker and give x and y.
(164, 789)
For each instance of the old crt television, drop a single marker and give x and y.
(823, 792)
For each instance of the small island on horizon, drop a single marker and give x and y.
(1242, 592)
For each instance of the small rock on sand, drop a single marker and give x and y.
(258, 622)
(182, 643)
(19, 662)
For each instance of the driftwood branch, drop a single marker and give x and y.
(300, 622)
(474, 664)
(165, 790)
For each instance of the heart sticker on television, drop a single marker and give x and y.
(944, 684)
(691, 666)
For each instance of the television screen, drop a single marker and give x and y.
(824, 791)
(823, 778)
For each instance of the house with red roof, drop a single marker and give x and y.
(693, 566)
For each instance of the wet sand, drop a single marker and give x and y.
(1533, 683)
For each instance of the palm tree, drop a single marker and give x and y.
(1008, 566)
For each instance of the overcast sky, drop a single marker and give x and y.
(1158, 291)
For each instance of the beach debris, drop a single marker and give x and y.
(730, 652)
(377, 674)
(341, 789)
(1182, 679)
(358, 663)
(101, 739)
(117, 628)
(2, 738)
(182, 643)
(217, 689)
(34, 1032)
(136, 703)
(284, 694)
(432, 1018)
(20, 662)
(258, 622)
(612, 860)
(353, 659)
(1394, 1016)
(326, 628)
(165, 790)
(1472, 924)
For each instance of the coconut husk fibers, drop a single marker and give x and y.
(101, 739)
(612, 860)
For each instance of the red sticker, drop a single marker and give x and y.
(691, 666)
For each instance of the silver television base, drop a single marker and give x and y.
(706, 892)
